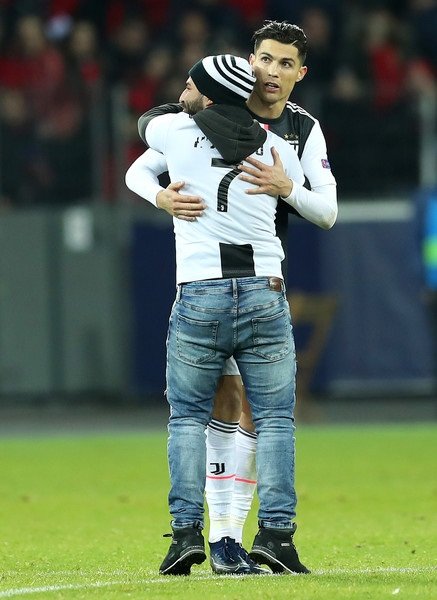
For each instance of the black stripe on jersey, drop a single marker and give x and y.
(222, 192)
(144, 120)
(301, 123)
(237, 260)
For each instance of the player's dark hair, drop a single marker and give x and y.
(283, 32)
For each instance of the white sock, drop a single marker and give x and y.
(220, 474)
(245, 481)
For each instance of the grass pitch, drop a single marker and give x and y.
(83, 517)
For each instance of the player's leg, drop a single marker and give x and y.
(220, 452)
(245, 471)
(220, 473)
(226, 554)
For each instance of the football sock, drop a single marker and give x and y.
(245, 481)
(220, 473)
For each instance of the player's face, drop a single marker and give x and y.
(191, 99)
(277, 69)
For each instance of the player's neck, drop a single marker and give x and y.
(263, 109)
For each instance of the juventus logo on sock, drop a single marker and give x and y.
(218, 468)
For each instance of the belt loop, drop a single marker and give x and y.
(178, 292)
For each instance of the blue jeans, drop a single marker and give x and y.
(210, 321)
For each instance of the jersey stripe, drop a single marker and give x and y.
(298, 109)
(237, 260)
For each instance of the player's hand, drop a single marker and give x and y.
(181, 206)
(269, 179)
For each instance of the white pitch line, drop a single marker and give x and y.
(375, 570)
(11, 593)
(56, 588)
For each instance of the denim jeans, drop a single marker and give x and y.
(210, 321)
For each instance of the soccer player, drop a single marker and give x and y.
(230, 300)
(278, 61)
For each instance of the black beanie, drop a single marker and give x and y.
(224, 79)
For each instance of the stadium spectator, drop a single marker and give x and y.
(83, 54)
(321, 48)
(34, 65)
(146, 92)
(25, 173)
(128, 48)
(422, 19)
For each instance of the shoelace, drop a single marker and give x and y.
(242, 552)
(236, 551)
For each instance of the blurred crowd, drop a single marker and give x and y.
(76, 74)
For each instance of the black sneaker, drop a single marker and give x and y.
(275, 548)
(255, 569)
(225, 560)
(187, 548)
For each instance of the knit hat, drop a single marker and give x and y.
(224, 79)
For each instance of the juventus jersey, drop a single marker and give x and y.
(236, 235)
(304, 134)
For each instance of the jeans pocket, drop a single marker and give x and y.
(196, 340)
(272, 337)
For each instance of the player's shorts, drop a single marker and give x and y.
(231, 367)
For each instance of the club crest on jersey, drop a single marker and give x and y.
(293, 140)
(325, 163)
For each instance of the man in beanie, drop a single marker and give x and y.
(230, 301)
(278, 60)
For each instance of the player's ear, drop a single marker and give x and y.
(251, 59)
(302, 73)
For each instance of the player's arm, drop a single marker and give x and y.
(142, 177)
(321, 200)
(268, 179)
(169, 199)
(164, 109)
(318, 205)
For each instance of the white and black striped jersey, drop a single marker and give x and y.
(236, 235)
(316, 200)
(303, 133)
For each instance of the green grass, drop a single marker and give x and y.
(83, 517)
